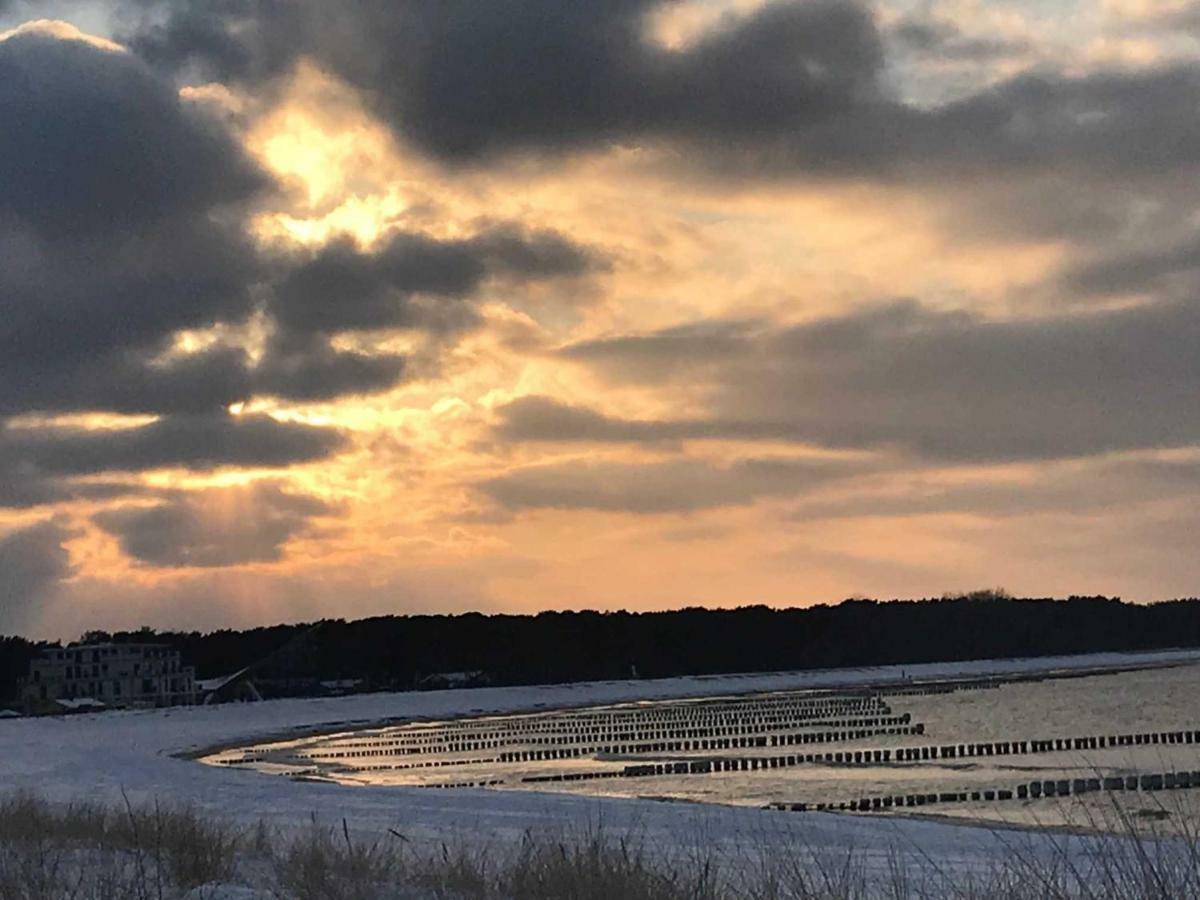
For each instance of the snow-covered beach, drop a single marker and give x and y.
(147, 756)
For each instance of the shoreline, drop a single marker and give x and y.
(317, 730)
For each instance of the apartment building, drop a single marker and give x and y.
(92, 676)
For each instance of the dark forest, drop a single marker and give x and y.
(401, 652)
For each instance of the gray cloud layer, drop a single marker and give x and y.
(673, 486)
(32, 562)
(534, 418)
(943, 385)
(789, 87)
(219, 527)
(1075, 488)
(944, 40)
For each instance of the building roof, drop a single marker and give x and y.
(215, 684)
(99, 645)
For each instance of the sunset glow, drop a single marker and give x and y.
(741, 302)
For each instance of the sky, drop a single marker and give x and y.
(332, 310)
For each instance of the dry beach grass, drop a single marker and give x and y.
(90, 852)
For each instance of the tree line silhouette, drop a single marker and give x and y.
(401, 652)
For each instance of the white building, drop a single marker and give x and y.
(110, 675)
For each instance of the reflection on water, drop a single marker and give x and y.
(1008, 750)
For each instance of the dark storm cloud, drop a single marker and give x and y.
(126, 381)
(44, 465)
(1080, 128)
(1105, 122)
(467, 79)
(948, 386)
(118, 227)
(83, 298)
(790, 87)
(531, 254)
(21, 487)
(122, 221)
(662, 487)
(218, 527)
(308, 368)
(32, 562)
(192, 442)
(412, 282)
(342, 288)
(226, 40)
(92, 140)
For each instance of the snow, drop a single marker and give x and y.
(80, 703)
(216, 891)
(107, 757)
